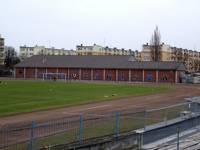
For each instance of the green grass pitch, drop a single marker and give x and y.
(27, 96)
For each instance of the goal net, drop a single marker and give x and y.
(54, 76)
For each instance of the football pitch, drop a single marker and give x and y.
(27, 96)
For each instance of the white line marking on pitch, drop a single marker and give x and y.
(90, 108)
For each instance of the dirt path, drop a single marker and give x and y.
(148, 101)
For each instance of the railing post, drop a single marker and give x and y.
(33, 125)
(81, 129)
(165, 116)
(140, 134)
(178, 130)
(117, 124)
(141, 141)
(145, 119)
(196, 115)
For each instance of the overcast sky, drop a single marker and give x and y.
(115, 23)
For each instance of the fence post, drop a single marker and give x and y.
(140, 133)
(165, 116)
(117, 124)
(81, 129)
(178, 130)
(145, 119)
(33, 125)
(196, 115)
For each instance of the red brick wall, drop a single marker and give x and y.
(30, 72)
(85, 74)
(74, 74)
(136, 75)
(19, 72)
(54, 76)
(97, 74)
(40, 72)
(51, 70)
(166, 76)
(110, 75)
(63, 70)
(123, 75)
(149, 75)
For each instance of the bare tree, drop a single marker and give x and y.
(155, 45)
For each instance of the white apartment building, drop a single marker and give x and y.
(100, 50)
(190, 58)
(26, 51)
(2, 51)
(166, 54)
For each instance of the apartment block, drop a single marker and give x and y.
(165, 52)
(2, 53)
(100, 50)
(26, 51)
(190, 58)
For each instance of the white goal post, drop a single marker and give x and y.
(54, 76)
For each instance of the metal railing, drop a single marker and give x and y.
(78, 128)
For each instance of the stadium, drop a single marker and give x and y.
(132, 101)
